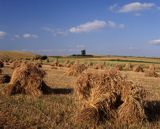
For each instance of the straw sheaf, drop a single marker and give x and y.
(128, 67)
(106, 95)
(138, 68)
(131, 112)
(76, 69)
(27, 79)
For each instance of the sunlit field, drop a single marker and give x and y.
(61, 106)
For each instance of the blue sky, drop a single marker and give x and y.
(64, 27)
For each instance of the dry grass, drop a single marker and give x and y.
(152, 67)
(66, 63)
(84, 84)
(76, 69)
(57, 64)
(138, 68)
(39, 65)
(118, 67)
(89, 80)
(12, 55)
(89, 64)
(131, 112)
(27, 79)
(128, 67)
(59, 110)
(107, 92)
(99, 66)
(15, 64)
(151, 73)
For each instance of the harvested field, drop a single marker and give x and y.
(105, 99)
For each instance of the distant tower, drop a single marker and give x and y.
(83, 52)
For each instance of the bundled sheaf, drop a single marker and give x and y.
(76, 69)
(106, 95)
(15, 64)
(99, 108)
(151, 72)
(118, 67)
(152, 67)
(110, 80)
(128, 67)
(138, 68)
(26, 79)
(131, 112)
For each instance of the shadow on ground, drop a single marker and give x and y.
(152, 110)
(48, 90)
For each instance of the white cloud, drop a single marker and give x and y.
(55, 32)
(34, 36)
(135, 7)
(2, 34)
(112, 24)
(25, 36)
(94, 25)
(48, 29)
(89, 26)
(113, 7)
(155, 42)
(28, 35)
(17, 36)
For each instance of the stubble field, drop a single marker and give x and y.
(58, 109)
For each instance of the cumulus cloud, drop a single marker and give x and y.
(155, 42)
(135, 7)
(94, 25)
(2, 34)
(89, 26)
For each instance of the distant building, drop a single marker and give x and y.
(83, 52)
